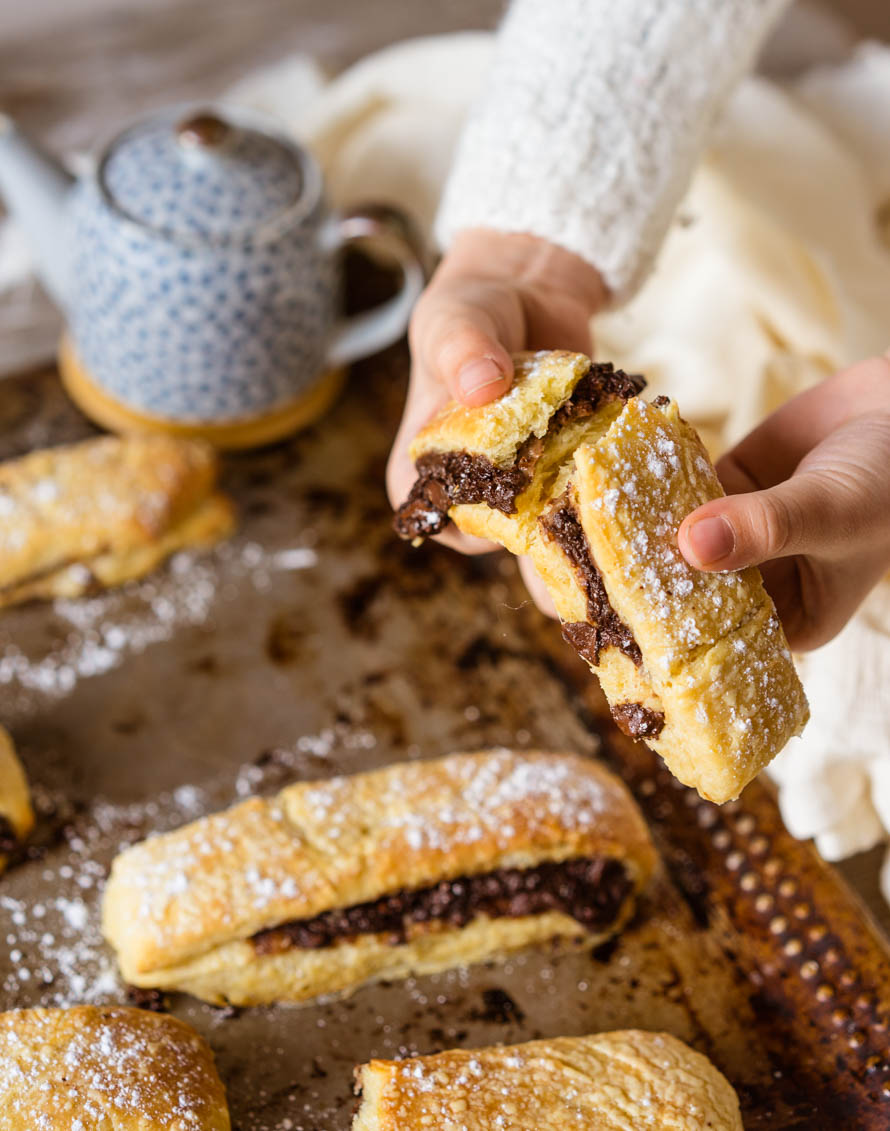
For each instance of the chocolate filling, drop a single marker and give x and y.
(605, 629)
(9, 841)
(447, 479)
(591, 890)
(638, 721)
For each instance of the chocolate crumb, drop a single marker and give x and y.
(152, 1000)
(499, 1008)
(661, 400)
(446, 479)
(637, 721)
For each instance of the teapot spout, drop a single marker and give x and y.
(35, 188)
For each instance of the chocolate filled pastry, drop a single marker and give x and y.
(16, 814)
(573, 468)
(622, 1081)
(411, 869)
(102, 512)
(97, 1068)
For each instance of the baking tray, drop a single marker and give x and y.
(316, 643)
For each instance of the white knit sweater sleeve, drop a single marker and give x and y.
(593, 117)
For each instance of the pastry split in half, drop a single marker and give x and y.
(411, 869)
(99, 513)
(573, 468)
(16, 814)
(620, 1081)
(101, 1068)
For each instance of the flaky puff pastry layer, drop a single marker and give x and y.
(103, 512)
(181, 908)
(621, 1081)
(714, 651)
(97, 1068)
(714, 660)
(15, 799)
(542, 383)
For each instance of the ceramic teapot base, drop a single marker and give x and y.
(230, 435)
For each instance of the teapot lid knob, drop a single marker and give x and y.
(203, 131)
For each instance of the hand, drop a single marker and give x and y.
(493, 294)
(809, 501)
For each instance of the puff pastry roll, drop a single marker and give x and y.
(102, 512)
(608, 1082)
(573, 468)
(96, 1068)
(16, 814)
(411, 869)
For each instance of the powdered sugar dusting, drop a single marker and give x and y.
(654, 479)
(100, 632)
(55, 942)
(99, 1067)
(653, 486)
(567, 1082)
(486, 797)
(166, 891)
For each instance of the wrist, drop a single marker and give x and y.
(526, 260)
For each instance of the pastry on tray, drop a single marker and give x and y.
(104, 511)
(575, 469)
(609, 1082)
(16, 814)
(411, 869)
(96, 1068)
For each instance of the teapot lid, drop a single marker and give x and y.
(203, 176)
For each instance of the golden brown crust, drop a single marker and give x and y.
(542, 383)
(103, 511)
(15, 799)
(715, 657)
(715, 662)
(234, 974)
(94, 1068)
(606, 1082)
(186, 895)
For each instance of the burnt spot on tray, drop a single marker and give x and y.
(129, 724)
(152, 1000)
(498, 1008)
(355, 602)
(205, 665)
(285, 638)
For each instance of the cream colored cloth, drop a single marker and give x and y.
(773, 275)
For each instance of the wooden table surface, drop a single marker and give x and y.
(70, 70)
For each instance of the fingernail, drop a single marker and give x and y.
(477, 374)
(710, 540)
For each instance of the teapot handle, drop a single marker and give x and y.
(360, 335)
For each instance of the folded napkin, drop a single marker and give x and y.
(775, 274)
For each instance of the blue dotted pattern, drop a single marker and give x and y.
(197, 191)
(199, 333)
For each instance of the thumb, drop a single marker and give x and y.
(460, 344)
(832, 508)
(806, 514)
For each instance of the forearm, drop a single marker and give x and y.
(593, 119)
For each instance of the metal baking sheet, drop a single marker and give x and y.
(315, 643)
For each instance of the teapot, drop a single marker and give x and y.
(197, 265)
